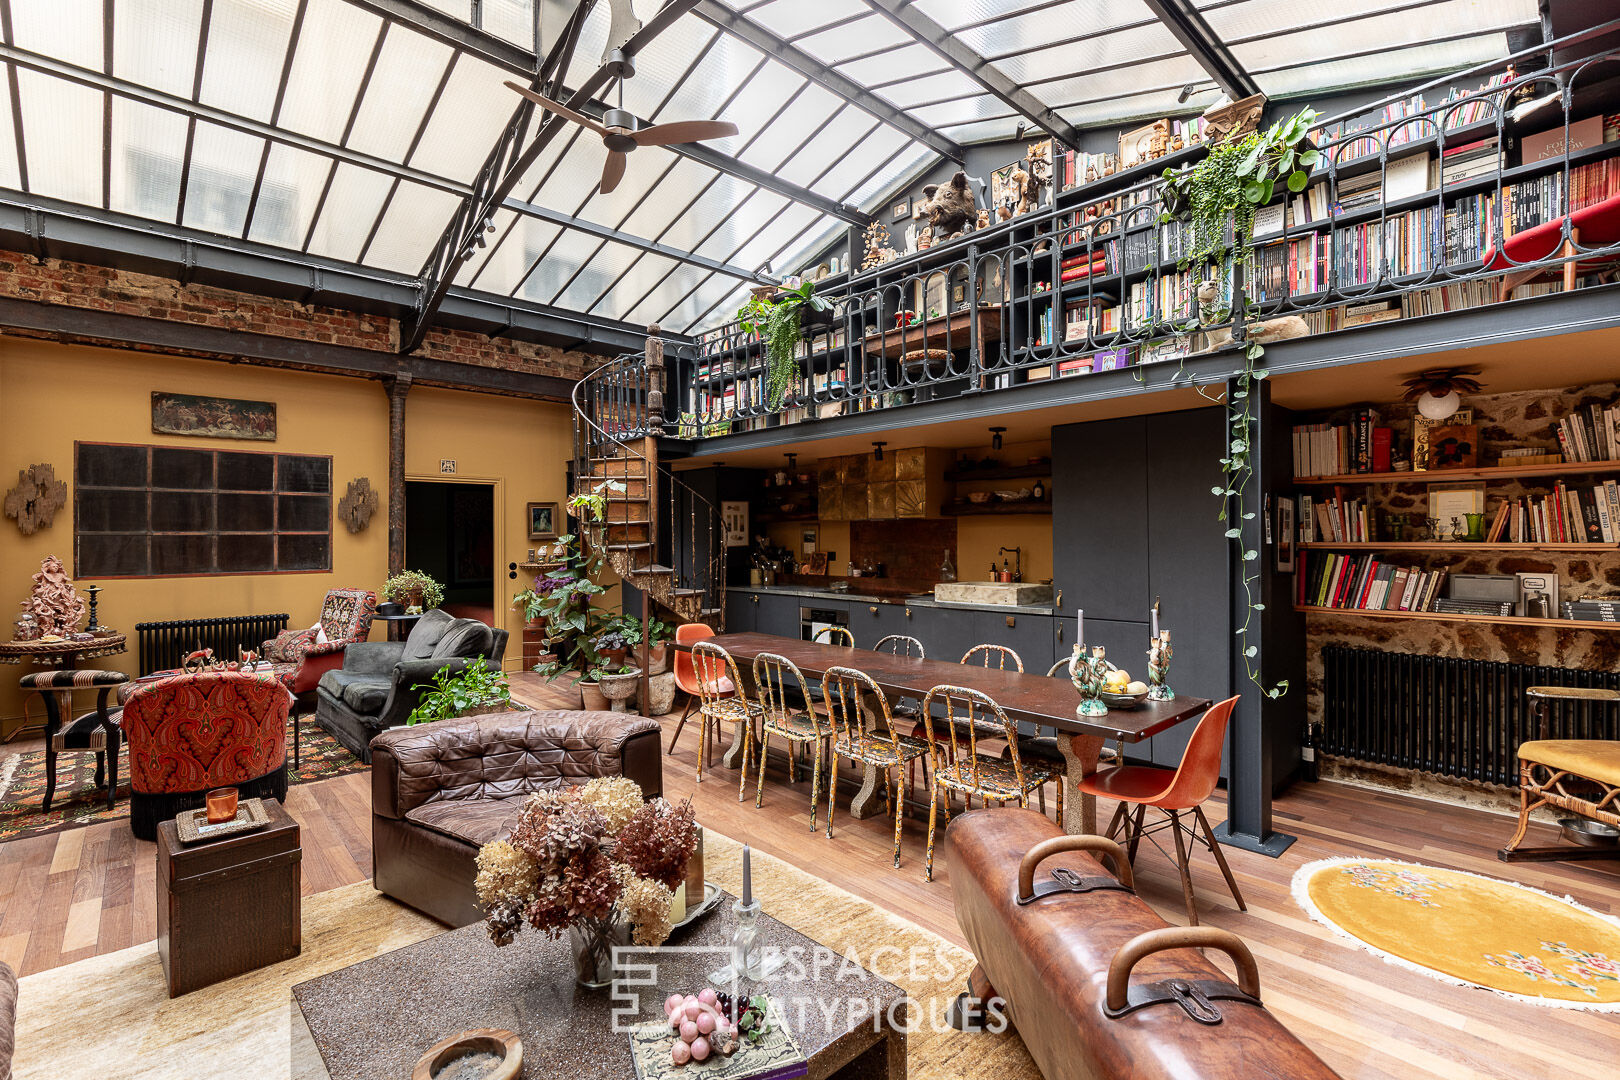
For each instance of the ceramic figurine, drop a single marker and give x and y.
(1159, 653)
(26, 627)
(1089, 673)
(55, 604)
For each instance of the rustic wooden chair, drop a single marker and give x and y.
(885, 749)
(721, 698)
(1581, 776)
(780, 715)
(993, 656)
(905, 710)
(900, 645)
(958, 765)
(1043, 747)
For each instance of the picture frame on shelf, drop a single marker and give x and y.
(817, 566)
(1453, 446)
(1003, 192)
(734, 522)
(900, 210)
(809, 539)
(542, 518)
(1286, 534)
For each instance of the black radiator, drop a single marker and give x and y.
(164, 644)
(1447, 716)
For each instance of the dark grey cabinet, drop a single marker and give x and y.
(1100, 517)
(777, 615)
(741, 609)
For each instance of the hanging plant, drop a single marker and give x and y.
(779, 323)
(1217, 199)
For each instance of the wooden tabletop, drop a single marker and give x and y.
(1035, 698)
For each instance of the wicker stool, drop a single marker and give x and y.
(1578, 775)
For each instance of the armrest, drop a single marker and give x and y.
(384, 780)
(372, 657)
(326, 648)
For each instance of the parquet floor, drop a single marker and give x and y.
(83, 892)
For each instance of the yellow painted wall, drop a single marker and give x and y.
(52, 395)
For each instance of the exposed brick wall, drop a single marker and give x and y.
(100, 288)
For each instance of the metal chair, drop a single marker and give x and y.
(780, 715)
(886, 749)
(834, 635)
(1044, 747)
(1174, 791)
(907, 709)
(95, 733)
(721, 699)
(965, 770)
(993, 656)
(900, 645)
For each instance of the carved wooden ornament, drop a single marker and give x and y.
(36, 498)
(357, 506)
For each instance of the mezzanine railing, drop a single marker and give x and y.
(1409, 213)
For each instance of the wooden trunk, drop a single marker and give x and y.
(227, 906)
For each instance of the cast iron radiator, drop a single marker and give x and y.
(1452, 717)
(164, 644)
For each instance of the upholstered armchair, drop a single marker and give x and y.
(301, 657)
(381, 682)
(188, 734)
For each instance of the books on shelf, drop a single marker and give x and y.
(1345, 520)
(1359, 446)
(1586, 514)
(1365, 583)
(1592, 610)
(1590, 433)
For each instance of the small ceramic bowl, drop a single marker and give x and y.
(1122, 701)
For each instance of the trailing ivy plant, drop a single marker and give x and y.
(1218, 198)
(777, 322)
(476, 687)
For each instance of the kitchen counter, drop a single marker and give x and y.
(920, 601)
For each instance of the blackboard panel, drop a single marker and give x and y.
(247, 552)
(107, 554)
(312, 474)
(306, 552)
(188, 469)
(182, 511)
(247, 513)
(111, 511)
(247, 472)
(111, 466)
(182, 554)
(304, 513)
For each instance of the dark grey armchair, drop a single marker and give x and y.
(381, 682)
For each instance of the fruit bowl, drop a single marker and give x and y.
(1121, 699)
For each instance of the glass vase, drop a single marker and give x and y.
(591, 943)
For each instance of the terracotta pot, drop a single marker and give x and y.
(615, 657)
(413, 597)
(538, 623)
(592, 698)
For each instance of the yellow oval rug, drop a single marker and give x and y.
(1469, 930)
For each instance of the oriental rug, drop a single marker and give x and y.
(1469, 930)
(250, 1026)
(77, 801)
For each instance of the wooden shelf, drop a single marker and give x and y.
(1447, 616)
(1001, 472)
(1494, 472)
(976, 509)
(1454, 546)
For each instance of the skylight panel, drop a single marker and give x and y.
(839, 43)
(10, 172)
(1417, 26)
(1042, 61)
(754, 215)
(148, 146)
(1384, 66)
(947, 84)
(398, 93)
(65, 29)
(782, 137)
(411, 225)
(351, 206)
(623, 295)
(790, 18)
(244, 54)
(328, 66)
(511, 20)
(219, 185)
(906, 62)
(467, 119)
(62, 137)
(288, 196)
(155, 43)
(503, 268)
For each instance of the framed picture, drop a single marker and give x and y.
(928, 295)
(1144, 144)
(817, 566)
(992, 285)
(809, 539)
(1286, 534)
(213, 417)
(542, 521)
(1453, 446)
(900, 210)
(1003, 194)
(734, 522)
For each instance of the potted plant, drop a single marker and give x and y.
(590, 691)
(533, 602)
(416, 590)
(780, 323)
(612, 645)
(653, 652)
(476, 688)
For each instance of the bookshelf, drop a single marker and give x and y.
(1460, 547)
(1490, 472)
(1446, 616)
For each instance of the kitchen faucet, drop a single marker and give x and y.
(1018, 561)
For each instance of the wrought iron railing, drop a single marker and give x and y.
(1092, 282)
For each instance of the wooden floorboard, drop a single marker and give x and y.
(90, 891)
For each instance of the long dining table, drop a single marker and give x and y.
(1047, 702)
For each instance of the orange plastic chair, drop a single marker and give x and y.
(1175, 792)
(685, 674)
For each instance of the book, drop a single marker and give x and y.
(1550, 143)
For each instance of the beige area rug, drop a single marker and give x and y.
(109, 1017)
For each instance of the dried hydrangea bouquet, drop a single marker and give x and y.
(588, 860)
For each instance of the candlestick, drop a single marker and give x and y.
(1159, 653)
(748, 876)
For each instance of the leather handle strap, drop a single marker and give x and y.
(1059, 844)
(1179, 937)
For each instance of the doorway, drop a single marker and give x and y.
(450, 536)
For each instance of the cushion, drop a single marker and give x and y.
(1596, 759)
(474, 821)
(289, 646)
(468, 637)
(426, 633)
(365, 694)
(320, 634)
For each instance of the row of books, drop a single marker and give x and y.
(1566, 515)
(1336, 518)
(1360, 445)
(1365, 583)
(1424, 119)
(1591, 433)
(1592, 610)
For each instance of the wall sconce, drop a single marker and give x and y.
(877, 452)
(995, 437)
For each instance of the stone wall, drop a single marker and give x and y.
(124, 292)
(1506, 420)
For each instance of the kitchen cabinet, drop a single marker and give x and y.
(741, 607)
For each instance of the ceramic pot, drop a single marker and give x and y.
(655, 659)
(660, 694)
(615, 657)
(620, 690)
(591, 695)
(537, 624)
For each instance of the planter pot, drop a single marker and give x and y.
(615, 657)
(413, 597)
(591, 697)
(620, 690)
(537, 624)
(654, 660)
(660, 695)
(812, 321)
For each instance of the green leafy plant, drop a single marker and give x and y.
(1218, 197)
(399, 588)
(475, 687)
(778, 322)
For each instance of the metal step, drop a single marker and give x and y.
(629, 545)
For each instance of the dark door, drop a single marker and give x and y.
(450, 536)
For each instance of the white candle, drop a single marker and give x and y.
(1155, 616)
(1080, 626)
(748, 876)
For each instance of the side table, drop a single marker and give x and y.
(399, 626)
(61, 655)
(230, 905)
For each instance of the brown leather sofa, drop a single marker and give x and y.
(1060, 960)
(440, 790)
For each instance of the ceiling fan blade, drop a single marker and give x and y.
(561, 110)
(612, 172)
(684, 131)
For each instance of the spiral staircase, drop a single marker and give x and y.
(657, 533)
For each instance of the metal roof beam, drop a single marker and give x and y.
(603, 232)
(939, 41)
(841, 85)
(1183, 20)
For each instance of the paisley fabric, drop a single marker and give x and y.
(194, 732)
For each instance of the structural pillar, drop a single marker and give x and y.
(397, 386)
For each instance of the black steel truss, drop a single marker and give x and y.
(928, 33)
(1182, 19)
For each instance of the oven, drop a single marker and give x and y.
(812, 620)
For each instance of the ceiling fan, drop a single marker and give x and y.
(618, 127)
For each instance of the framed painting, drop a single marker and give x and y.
(542, 521)
(901, 210)
(213, 417)
(734, 522)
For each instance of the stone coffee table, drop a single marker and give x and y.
(373, 1020)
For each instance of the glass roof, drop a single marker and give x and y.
(354, 129)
